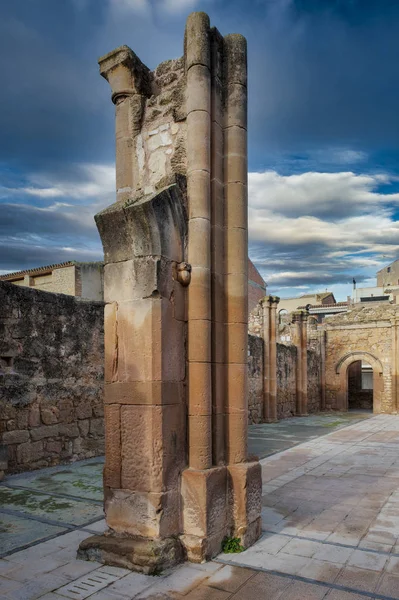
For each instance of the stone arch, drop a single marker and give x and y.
(341, 369)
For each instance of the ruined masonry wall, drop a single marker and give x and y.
(160, 145)
(255, 379)
(51, 377)
(255, 321)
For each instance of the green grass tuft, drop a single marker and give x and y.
(232, 545)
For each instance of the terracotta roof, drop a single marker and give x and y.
(37, 270)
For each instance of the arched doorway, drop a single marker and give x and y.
(361, 382)
(360, 386)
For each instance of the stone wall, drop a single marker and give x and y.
(255, 321)
(255, 379)
(286, 381)
(51, 377)
(314, 380)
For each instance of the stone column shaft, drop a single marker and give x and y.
(273, 361)
(217, 251)
(304, 364)
(199, 242)
(300, 321)
(236, 246)
(394, 367)
(270, 359)
(266, 359)
(322, 338)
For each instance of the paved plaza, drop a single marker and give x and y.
(330, 526)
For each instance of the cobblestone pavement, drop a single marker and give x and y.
(331, 529)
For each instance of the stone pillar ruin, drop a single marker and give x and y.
(177, 479)
(322, 343)
(300, 319)
(269, 306)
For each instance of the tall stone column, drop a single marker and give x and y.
(244, 477)
(177, 478)
(395, 366)
(300, 318)
(269, 304)
(322, 342)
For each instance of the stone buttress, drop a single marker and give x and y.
(177, 479)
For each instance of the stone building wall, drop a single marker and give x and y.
(255, 379)
(286, 381)
(364, 333)
(51, 377)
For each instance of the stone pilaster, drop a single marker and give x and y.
(299, 318)
(269, 306)
(322, 342)
(244, 477)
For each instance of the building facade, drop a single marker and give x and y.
(83, 280)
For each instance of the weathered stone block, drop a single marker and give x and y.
(15, 437)
(45, 431)
(97, 427)
(245, 494)
(147, 556)
(145, 514)
(152, 447)
(49, 415)
(69, 430)
(29, 452)
(204, 495)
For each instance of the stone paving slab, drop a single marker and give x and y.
(82, 479)
(330, 531)
(71, 495)
(331, 511)
(47, 507)
(15, 532)
(42, 504)
(268, 438)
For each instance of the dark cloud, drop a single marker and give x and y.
(22, 255)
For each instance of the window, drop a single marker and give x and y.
(388, 269)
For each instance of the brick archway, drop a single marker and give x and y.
(341, 369)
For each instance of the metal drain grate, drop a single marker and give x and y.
(87, 585)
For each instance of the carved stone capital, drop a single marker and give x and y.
(125, 73)
(272, 301)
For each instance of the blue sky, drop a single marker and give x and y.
(323, 129)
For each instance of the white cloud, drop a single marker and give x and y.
(308, 231)
(175, 6)
(320, 229)
(344, 156)
(136, 6)
(90, 181)
(317, 194)
(146, 6)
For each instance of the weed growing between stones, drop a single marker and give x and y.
(232, 545)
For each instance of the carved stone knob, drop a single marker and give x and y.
(183, 273)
